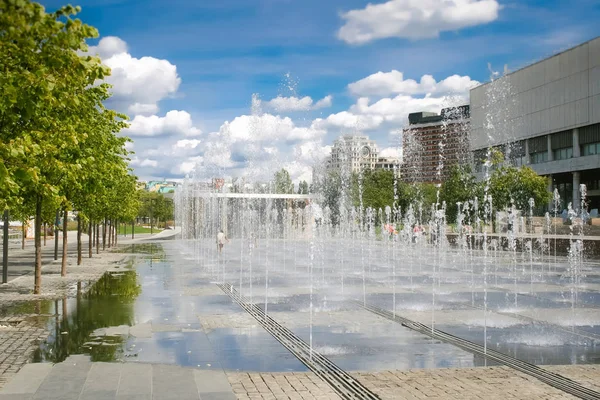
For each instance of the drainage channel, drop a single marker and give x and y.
(555, 380)
(344, 384)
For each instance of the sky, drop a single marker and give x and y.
(230, 88)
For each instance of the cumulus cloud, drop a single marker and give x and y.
(146, 162)
(311, 152)
(391, 152)
(173, 123)
(414, 19)
(350, 121)
(139, 84)
(267, 127)
(393, 82)
(292, 103)
(365, 115)
(108, 47)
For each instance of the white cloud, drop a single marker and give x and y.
(146, 162)
(311, 152)
(187, 166)
(267, 127)
(173, 123)
(414, 19)
(187, 143)
(292, 103)
(139, 108)
(367, 116)
(350, 121)
(393, 82)
(391, 152)
(139, 84)
(108, 47)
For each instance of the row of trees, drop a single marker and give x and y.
(59, 148)
(507, 186)
(155, 206)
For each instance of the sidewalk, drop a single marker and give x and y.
(77, 378)
(21, 261)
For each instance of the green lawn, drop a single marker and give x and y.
(138, 229)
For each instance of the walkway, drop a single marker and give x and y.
(79, 379)
(440, 383)
(21, 261)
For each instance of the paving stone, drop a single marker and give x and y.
(171, 382)
(212, 381)
(103, 377)
(28, 380)
(136, 380)
(65, 381)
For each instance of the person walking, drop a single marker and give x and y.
(221, 240)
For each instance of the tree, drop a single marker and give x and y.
(303, 187)
(283, 182)
(55, 133)
(460, 186)
(508, 184)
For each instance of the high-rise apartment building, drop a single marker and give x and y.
(433, 143)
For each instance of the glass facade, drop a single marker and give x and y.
(590, 149)
(563, 154)
(537, 158)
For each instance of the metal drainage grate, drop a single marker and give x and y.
(344, 384)
(555, 380)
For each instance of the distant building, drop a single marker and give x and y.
(353, 153)
(433, 143)
(161, 186)
(549, 114)
(387, 163)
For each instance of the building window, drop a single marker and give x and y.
(563, 154)
(590, 149)
(537, 158)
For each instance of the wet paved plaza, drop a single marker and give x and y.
(165, 308)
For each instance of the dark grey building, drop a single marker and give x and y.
(547, 116)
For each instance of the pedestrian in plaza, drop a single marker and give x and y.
(221, 240)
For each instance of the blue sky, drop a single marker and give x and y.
(224, 51)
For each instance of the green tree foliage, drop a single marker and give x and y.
(303, 187)
(460, 186)
(58, 144)
(508, 183)
(283, 182)
(155, 204)
(377, 189)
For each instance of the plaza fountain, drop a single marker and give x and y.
(509, 293)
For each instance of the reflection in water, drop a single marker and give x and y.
(108, 303)
(153, 249)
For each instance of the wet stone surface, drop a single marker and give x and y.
(166, 309)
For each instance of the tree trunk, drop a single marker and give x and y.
(79, 256)
(111, 232)
(116, 231)
(37, 285)
(63, 266)
(45, 233)
(23, 235)
(133, 229)
(97, 237)
(90, 238)
(5, 218)
(104, 234)
(56, 235)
